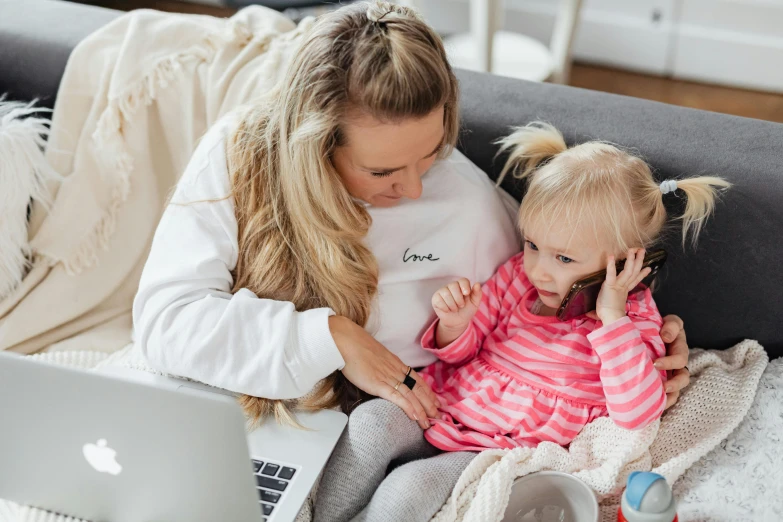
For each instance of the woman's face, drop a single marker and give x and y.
(380, 162)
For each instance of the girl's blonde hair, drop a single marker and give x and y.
(301, 235)
(596, 181)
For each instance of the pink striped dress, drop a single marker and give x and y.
(516, 379)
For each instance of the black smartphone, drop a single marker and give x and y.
(584, 293)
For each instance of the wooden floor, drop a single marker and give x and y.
(740, 102)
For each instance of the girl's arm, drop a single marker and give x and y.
(627, 347)
(493, 307)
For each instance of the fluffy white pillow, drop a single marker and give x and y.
(23, 174)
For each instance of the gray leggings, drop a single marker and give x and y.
(380, 438)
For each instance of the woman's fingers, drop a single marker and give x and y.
(413, 399)
(671, 362)
(677, 351)
(679, 380)
(420, 414)
(676, 359)
(426, 396)
(371, 367)
(671, 398)
(672, 328)
(390, 394)
(394, 377)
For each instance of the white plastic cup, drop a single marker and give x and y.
(551, 496)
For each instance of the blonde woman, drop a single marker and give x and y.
(297, 258)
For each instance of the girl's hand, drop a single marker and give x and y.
(371, 367)
(455, 305)
(610, 305)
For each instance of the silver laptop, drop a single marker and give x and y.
(131, 446)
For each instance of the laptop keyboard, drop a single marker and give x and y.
(271, 481)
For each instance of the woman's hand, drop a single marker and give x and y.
(610, 305)
(455, 305)
(371, 367)
(676, 358)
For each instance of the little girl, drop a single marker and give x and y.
(510, 373)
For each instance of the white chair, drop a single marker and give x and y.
(511, 54)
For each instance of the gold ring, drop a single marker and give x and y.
(398, 385)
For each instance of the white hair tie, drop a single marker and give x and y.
(668, 185)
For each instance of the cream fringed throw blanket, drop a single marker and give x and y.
(135, 98)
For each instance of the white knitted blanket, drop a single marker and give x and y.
(722, 389)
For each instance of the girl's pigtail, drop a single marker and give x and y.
(701, 193)
(530, 146)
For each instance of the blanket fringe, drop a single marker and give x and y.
(108, 135)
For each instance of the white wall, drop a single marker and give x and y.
(735, 42)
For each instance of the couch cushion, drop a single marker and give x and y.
(36, 37)
(729, 287)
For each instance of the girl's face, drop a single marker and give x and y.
(557, 256)
(381, 163)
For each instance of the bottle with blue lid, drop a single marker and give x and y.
(647, 498)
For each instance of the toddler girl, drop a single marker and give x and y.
(510, 373)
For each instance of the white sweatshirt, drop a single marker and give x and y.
(187, 323)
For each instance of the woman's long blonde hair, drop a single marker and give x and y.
(301, 235)
(600, 182)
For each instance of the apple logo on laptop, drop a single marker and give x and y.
(101, 457)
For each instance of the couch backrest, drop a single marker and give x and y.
(730, 287)
(36, 38)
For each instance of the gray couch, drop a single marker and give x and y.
(726, 290)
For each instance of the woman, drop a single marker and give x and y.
(297, 258)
